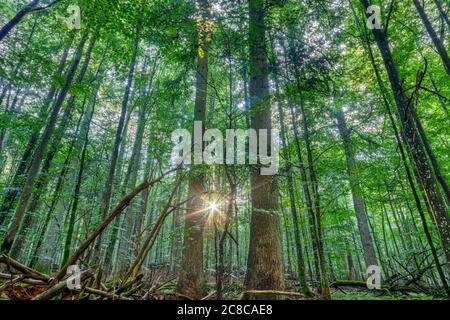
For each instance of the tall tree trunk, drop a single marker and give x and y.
(324, 285)
(17, 18)
(43, 179)
(358, 201)
(436, 168)
(16, 72)
(190, 279)
(442, 13)
(84, 139)
(118, 137)
(11, 195)
(290, 182)
(402, 152)
(434, 37)
(424, 173)
(305, 185)
(34, 168)
(230, 207)
(128, 239)
(265, 270)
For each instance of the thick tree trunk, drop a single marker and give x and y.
(265, 270)
(190, 278)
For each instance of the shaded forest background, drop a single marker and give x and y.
(87, 114)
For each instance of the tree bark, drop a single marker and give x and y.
(290, 182)
(118, 137)
(424, 173)
(265, 270)
(190, 279)
(442, 13)
(34, 168)
(358, 201)
(434, 37)
(11, 195)
(17, 18)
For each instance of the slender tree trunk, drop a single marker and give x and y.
(436, 168)
(132, 222)
(290, 181)
(17, 18)
(16, 72)
(11, 195)
(34, 168)
(223, 236)
(84, 136)
(176, 235)
(118, 137)
(434, 37)
(358, 201)
(425, 174)
(442, 13)
(324, 286)
(287, 233)
(43, 179)
(404, 158)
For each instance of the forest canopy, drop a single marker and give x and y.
(347, 102)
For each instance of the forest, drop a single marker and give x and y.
(110, 111)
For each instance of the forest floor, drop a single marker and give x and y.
(28, 292)
(20, 282)
(166, 291)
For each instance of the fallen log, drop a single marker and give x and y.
(124, 203)
(10, 262)
(209, 296)
(8, 276)
(249, 293)
(349, 283)
(10, 282)
(149, 241)
(363, 285)
(61, 287)
(104, 294)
